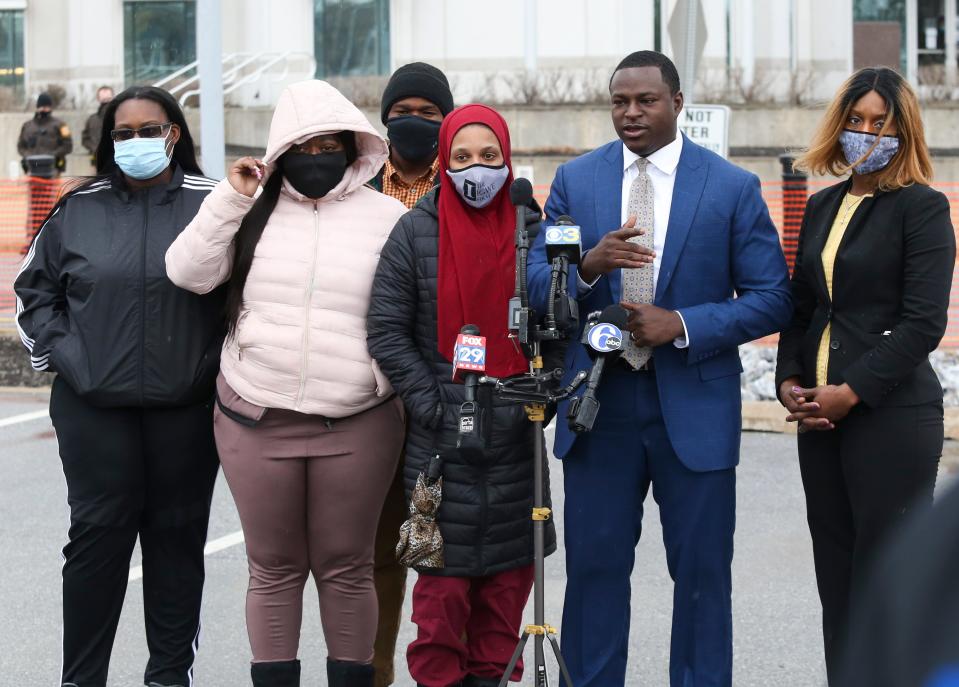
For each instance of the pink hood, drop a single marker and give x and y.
(311, 108)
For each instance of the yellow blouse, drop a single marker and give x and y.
(838, 230)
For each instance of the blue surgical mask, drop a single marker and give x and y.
(856, 143)
(142, 158)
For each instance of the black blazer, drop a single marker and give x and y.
(891, 284)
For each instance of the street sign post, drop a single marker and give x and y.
(687, 35)
(707, 125)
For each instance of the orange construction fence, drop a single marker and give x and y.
(25, 202)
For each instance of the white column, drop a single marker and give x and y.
(912, 41)
(209, 54)
(747, 42)
(949, 11)
(529, 41)
(793, 37)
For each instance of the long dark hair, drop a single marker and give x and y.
(251, 229)
(183, 152)
(247, 236)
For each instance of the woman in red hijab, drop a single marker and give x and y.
(450, 262)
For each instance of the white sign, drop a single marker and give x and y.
(707, 125)
(523, 172)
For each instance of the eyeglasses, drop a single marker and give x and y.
(149, 131)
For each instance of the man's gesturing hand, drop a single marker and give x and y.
(614, 251)
(650, 325)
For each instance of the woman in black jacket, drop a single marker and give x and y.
(450, 262)
(135, 360)
(871, 290)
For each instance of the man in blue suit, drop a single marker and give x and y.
(683, 239)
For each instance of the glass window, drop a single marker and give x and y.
(159, 37)
(352, 37)
(931, 41)
(11, 50)
(877, 24)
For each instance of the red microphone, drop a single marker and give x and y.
(469, 354)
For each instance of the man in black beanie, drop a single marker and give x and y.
(415, 101)
(44, 134)
(44, 144)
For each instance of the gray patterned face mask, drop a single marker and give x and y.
(856, 143)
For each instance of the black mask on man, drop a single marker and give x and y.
(42, 114)
(313, 175)
(414, 138)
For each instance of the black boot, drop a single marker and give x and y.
(473, 681)
(275, 674)
(347, 674)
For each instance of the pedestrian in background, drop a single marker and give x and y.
(135, 360)
(308, 429)
(871, 290)
(45, 134)
(450, 262)
(43, 145)
(415, 101)
(94, 123)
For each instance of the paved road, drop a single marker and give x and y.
(777, 635)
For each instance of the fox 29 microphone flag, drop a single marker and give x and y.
(469, 353)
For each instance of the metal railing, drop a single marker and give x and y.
(240, 69)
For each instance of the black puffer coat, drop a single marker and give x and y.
(485, 515)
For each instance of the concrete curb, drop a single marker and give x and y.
(768, 416)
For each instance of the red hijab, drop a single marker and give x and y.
(477, 261)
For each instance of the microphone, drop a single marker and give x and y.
(564, 247)
(564, 240)
(469, 364)
(469, 354)
(521, 193)
(603, 339)
(522, 319)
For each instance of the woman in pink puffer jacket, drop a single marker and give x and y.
(308, 430)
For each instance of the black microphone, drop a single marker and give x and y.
(564, 240)
(521, 193)
(603, 339)
(564, 247)
(521, 318)
(469, 364)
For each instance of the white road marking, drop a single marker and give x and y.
(25, 417)
(224, 542)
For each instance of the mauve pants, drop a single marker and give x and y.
(309, 495)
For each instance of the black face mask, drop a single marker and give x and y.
(313, 175)
(414, 138)
(42, 115)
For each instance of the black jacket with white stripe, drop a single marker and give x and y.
(94, 304)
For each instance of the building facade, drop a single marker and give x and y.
(754, 50)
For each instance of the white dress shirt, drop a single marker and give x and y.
(662, 171)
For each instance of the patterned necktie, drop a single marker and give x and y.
(638, 282)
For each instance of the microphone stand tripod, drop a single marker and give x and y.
(532, 389)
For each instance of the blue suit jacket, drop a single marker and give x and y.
(722, 268)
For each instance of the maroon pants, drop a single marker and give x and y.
(467, 626)
(309, 495)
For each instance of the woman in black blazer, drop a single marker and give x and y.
(871, 290)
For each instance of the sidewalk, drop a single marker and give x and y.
(767, 416)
